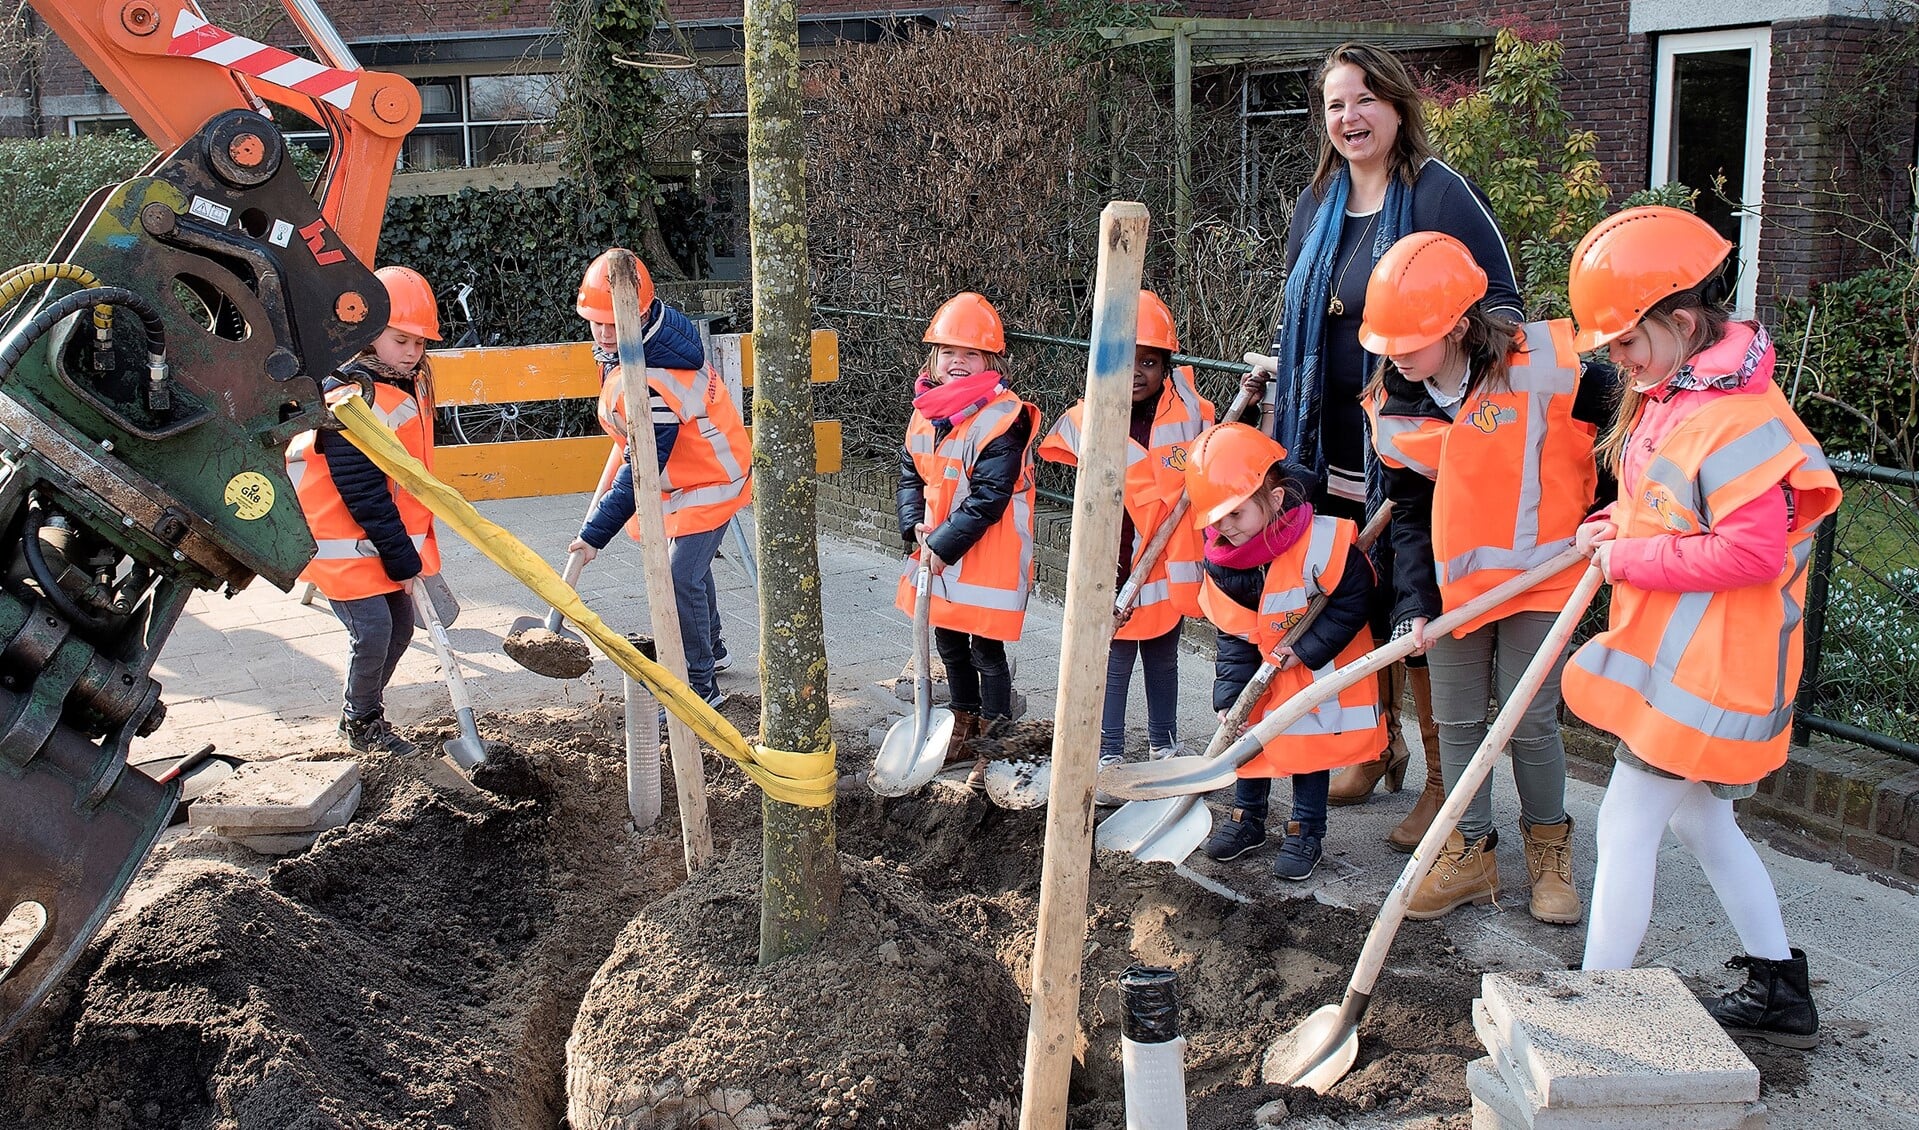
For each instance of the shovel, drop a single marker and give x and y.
(541, 645)
(915, 748)
(1151, 780)
(1170, 828)
(467, 750)
(1321, 1049)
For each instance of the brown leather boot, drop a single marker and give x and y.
(1354, 783)
(1463, 873)
(1406, 837)
(966, 725)
(1549, 860)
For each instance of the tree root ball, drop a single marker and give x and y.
(893, 1019)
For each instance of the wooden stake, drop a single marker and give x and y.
(1087, 635)
(630, 325)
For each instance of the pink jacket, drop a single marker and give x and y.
(1744, 547)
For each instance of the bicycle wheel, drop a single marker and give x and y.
(506, 423)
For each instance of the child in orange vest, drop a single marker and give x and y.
(705, 460)
(1267, 557)
(1168, 413)
(1486, 432)
(966, 497)
(1720, 489)
(373, 538)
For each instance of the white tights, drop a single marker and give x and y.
(1632, 819)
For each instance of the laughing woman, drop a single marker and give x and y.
(1377, 181)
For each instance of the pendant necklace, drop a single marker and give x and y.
(1335, 308)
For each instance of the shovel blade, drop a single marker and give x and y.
(548, 653)
(1169, 777)
(1316, 1054)
(905, 764)
(1156, 831)
(465, 752)
(1019, 785)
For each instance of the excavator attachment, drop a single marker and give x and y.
(152, 373)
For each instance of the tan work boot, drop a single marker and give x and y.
(1406, 837)
(1549, 860)
(1463, 873)
(966, 725)
(1354, 783)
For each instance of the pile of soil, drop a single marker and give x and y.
(425, 965)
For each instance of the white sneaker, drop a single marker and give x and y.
(1107, 761)
(1162, 752)
(722, 661)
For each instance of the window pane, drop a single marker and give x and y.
(496, 98)
(527, 144)
(439, 99)
(1709, 131)
(428, 149)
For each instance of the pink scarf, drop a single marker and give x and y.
(951, 403)
(1264, 547)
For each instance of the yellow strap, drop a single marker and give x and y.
(805, 779)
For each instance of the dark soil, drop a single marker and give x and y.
(425, 965)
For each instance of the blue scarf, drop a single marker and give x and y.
(1301, 338)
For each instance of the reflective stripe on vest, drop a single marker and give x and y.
(346, 565)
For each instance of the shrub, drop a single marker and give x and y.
(44, 181)
(1858, 391)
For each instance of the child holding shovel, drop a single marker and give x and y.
(372, 538)
(1267, 556)
(966, 499)
(1486, 432)
(1720, 490)
(1168, 413)
(705, 460)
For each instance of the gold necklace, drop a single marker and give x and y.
(1335, 308)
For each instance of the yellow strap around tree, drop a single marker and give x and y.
(804, 779)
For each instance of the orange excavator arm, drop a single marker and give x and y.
(173, 71)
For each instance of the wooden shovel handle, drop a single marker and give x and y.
(1129, 593)
(1255, 688)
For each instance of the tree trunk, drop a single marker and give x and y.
(800, 891)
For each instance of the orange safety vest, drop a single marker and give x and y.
(984, 592)
(1155, 482)
(345, 565)
(1701, 684)
(1513, 476)
(708, 475)
(1345, 731)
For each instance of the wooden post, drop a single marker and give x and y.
(1088, 633)
(630, 324)
(800, 877)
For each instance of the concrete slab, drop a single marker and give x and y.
(1508, 1091)
(276, 796)
(286, 843)
(1633, 1037)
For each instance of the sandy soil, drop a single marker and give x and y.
(426, 964)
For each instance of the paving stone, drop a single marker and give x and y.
(286, 843)
(276, 796)
(1612, 1038)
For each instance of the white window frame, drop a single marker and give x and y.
(1757, 41)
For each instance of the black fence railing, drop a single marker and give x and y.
(1861, 680)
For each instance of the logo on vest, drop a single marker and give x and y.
(1488, 416)
(952, 472)
(1174, 460)
(1285, 623)
(1674, 517)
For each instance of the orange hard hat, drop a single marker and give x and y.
(1418, 292)
(1226, 466)
(595, 302)
(1631, 260)
(1156, 323)
(968, 321)
(410, 299)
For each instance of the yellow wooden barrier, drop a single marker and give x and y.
(533, 468)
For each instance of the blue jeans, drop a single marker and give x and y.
(1309, 799)
(378, 629)
(1160, 659)
(698, 598)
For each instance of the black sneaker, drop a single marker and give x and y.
(374, 734)
(1298, 857)
(1236, 837)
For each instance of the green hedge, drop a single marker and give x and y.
(1861, 354)
(44, 181)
